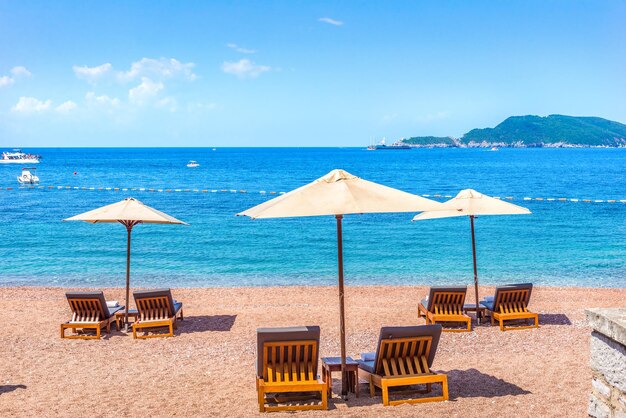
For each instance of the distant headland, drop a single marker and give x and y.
(554, 131)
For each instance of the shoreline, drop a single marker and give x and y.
(209, 363)
(348, 286)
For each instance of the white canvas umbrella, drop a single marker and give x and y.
(472, 203)
(129, 212)
(336, 194)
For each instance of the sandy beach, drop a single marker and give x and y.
(207, 369)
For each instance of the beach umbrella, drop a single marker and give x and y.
(129, 212)
(472, 203)
(336, 194)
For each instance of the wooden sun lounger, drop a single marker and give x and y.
(445, 304)
(404, 357)
(89, 311)
(287, 363)
(156, 308)
(511, 302)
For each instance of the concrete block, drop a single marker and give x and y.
(608, 321)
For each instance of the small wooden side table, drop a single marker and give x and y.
(471, 307)
(119, 316)
(333, 364)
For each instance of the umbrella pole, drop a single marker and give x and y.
(342, 322)
(478, 315)
(129, 229)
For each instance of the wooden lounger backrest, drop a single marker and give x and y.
(86, 310)
(512, 301)
(289, 361)
(407, 356)
(448, 303)
(153, 308)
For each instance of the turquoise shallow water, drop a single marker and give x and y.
(561, 243)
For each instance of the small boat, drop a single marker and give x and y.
(494, 149)
(27, 177)
(19, 157)
(192, 164)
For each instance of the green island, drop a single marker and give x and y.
(553, 131)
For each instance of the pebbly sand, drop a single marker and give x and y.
(207, 369)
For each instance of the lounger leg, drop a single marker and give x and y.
(501, 324)
(62, 331)
(134, 332)
(261, 400)
(181, 314)
(492, 320)
(444, 387)
(324, 398)
(536, 321)
(372, 389)
(171, 329)
(98, 332)
(385, 394)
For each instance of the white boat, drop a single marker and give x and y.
(192, 164)
(18, 157)
(494, 149)
(27, 177)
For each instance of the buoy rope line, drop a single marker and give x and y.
(241, 191)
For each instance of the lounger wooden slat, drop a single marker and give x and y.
(288, 366)
(445, 304)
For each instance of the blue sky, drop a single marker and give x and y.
(295, 73)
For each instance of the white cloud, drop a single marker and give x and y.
(20, 71)
(241, 49)
(330, 21)
(158, 69)
(5, 80)
(30, 104)
(92, 74)
(155, 69)
(145, 91)
(66, 107)
(244, 68)
(104, 100)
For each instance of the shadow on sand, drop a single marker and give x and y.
(10, 388)
(554, 319)
(204, 323)
(472, 383)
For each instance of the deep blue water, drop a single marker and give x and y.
(561, 243)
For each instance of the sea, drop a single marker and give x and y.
(580, 241)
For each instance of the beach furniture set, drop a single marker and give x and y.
(445, 304)
(287, 358)
(155, 309)
(287, 361)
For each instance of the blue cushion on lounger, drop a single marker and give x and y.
(424, 302)
(368, 366)
(112, 311)
(177, 306)
(368, 356)
(487, 304)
